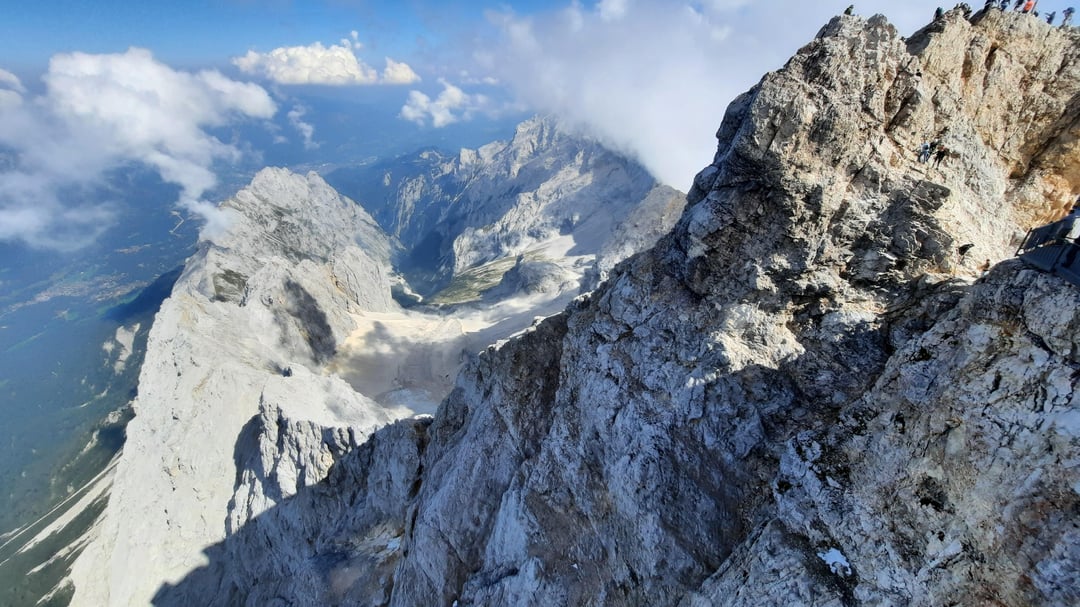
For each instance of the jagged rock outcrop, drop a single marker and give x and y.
(803, 395)
(246, 399)
(678, 453)
(797, 397)
(352, 524)
(256, 315)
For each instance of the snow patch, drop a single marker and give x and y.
(125, 338)
(836, 561)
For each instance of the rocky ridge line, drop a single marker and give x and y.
(242, 403)
(797, 397)
(264, 303)
(507, 198)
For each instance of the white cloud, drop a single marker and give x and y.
(9, 99)
(10, 90)
(612, 10)
(725, 5)
(399, 73)
(335, 65)
(452, 105)
(101, 112)
(306, 130)
(654, 77)
(315, 64)
(11, 81)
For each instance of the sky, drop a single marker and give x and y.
(89, 87)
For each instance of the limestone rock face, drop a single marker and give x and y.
(351, 523)
(796, 398)
(253, 319)
(508, 198)
(804, 394)
(247, 397)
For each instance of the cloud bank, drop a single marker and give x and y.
(335, 65)
(450, 106)
(653, 77)
(102, 112)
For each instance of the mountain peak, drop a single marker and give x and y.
(807, 393)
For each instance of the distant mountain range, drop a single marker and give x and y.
(546, 189)
(828, 384)
(292, 318)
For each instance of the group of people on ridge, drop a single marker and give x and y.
(935, 149)
(1029, 7)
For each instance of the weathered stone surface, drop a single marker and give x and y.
(241, 407)
(953, 480)
(803, 395)
(334, 542)
(509, 198)
(271, 297)
(721, 421)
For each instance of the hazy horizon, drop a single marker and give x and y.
(190, 91)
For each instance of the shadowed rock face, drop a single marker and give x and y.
(787, 401)
(317, 332)
(256, 315)
(242, 381)
(798, 397)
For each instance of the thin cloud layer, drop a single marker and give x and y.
(450, 106)
(653, 77)
(306, 130)
(11, 90)
(335, 65)
(102, 112)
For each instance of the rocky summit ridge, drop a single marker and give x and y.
(282, 346)
(805, 394)
(547, 183)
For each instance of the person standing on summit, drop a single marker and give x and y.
(1029, 6)
(1066, 17)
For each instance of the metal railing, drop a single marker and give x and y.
(1050, 249)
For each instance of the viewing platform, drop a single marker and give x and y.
(1051, 249)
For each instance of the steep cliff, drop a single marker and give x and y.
(677, 458)
(804, 395)
(278, 353)
(256, 315)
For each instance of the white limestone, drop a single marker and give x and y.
(801, 396)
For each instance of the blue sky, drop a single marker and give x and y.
(189, 87)
(200, 33)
